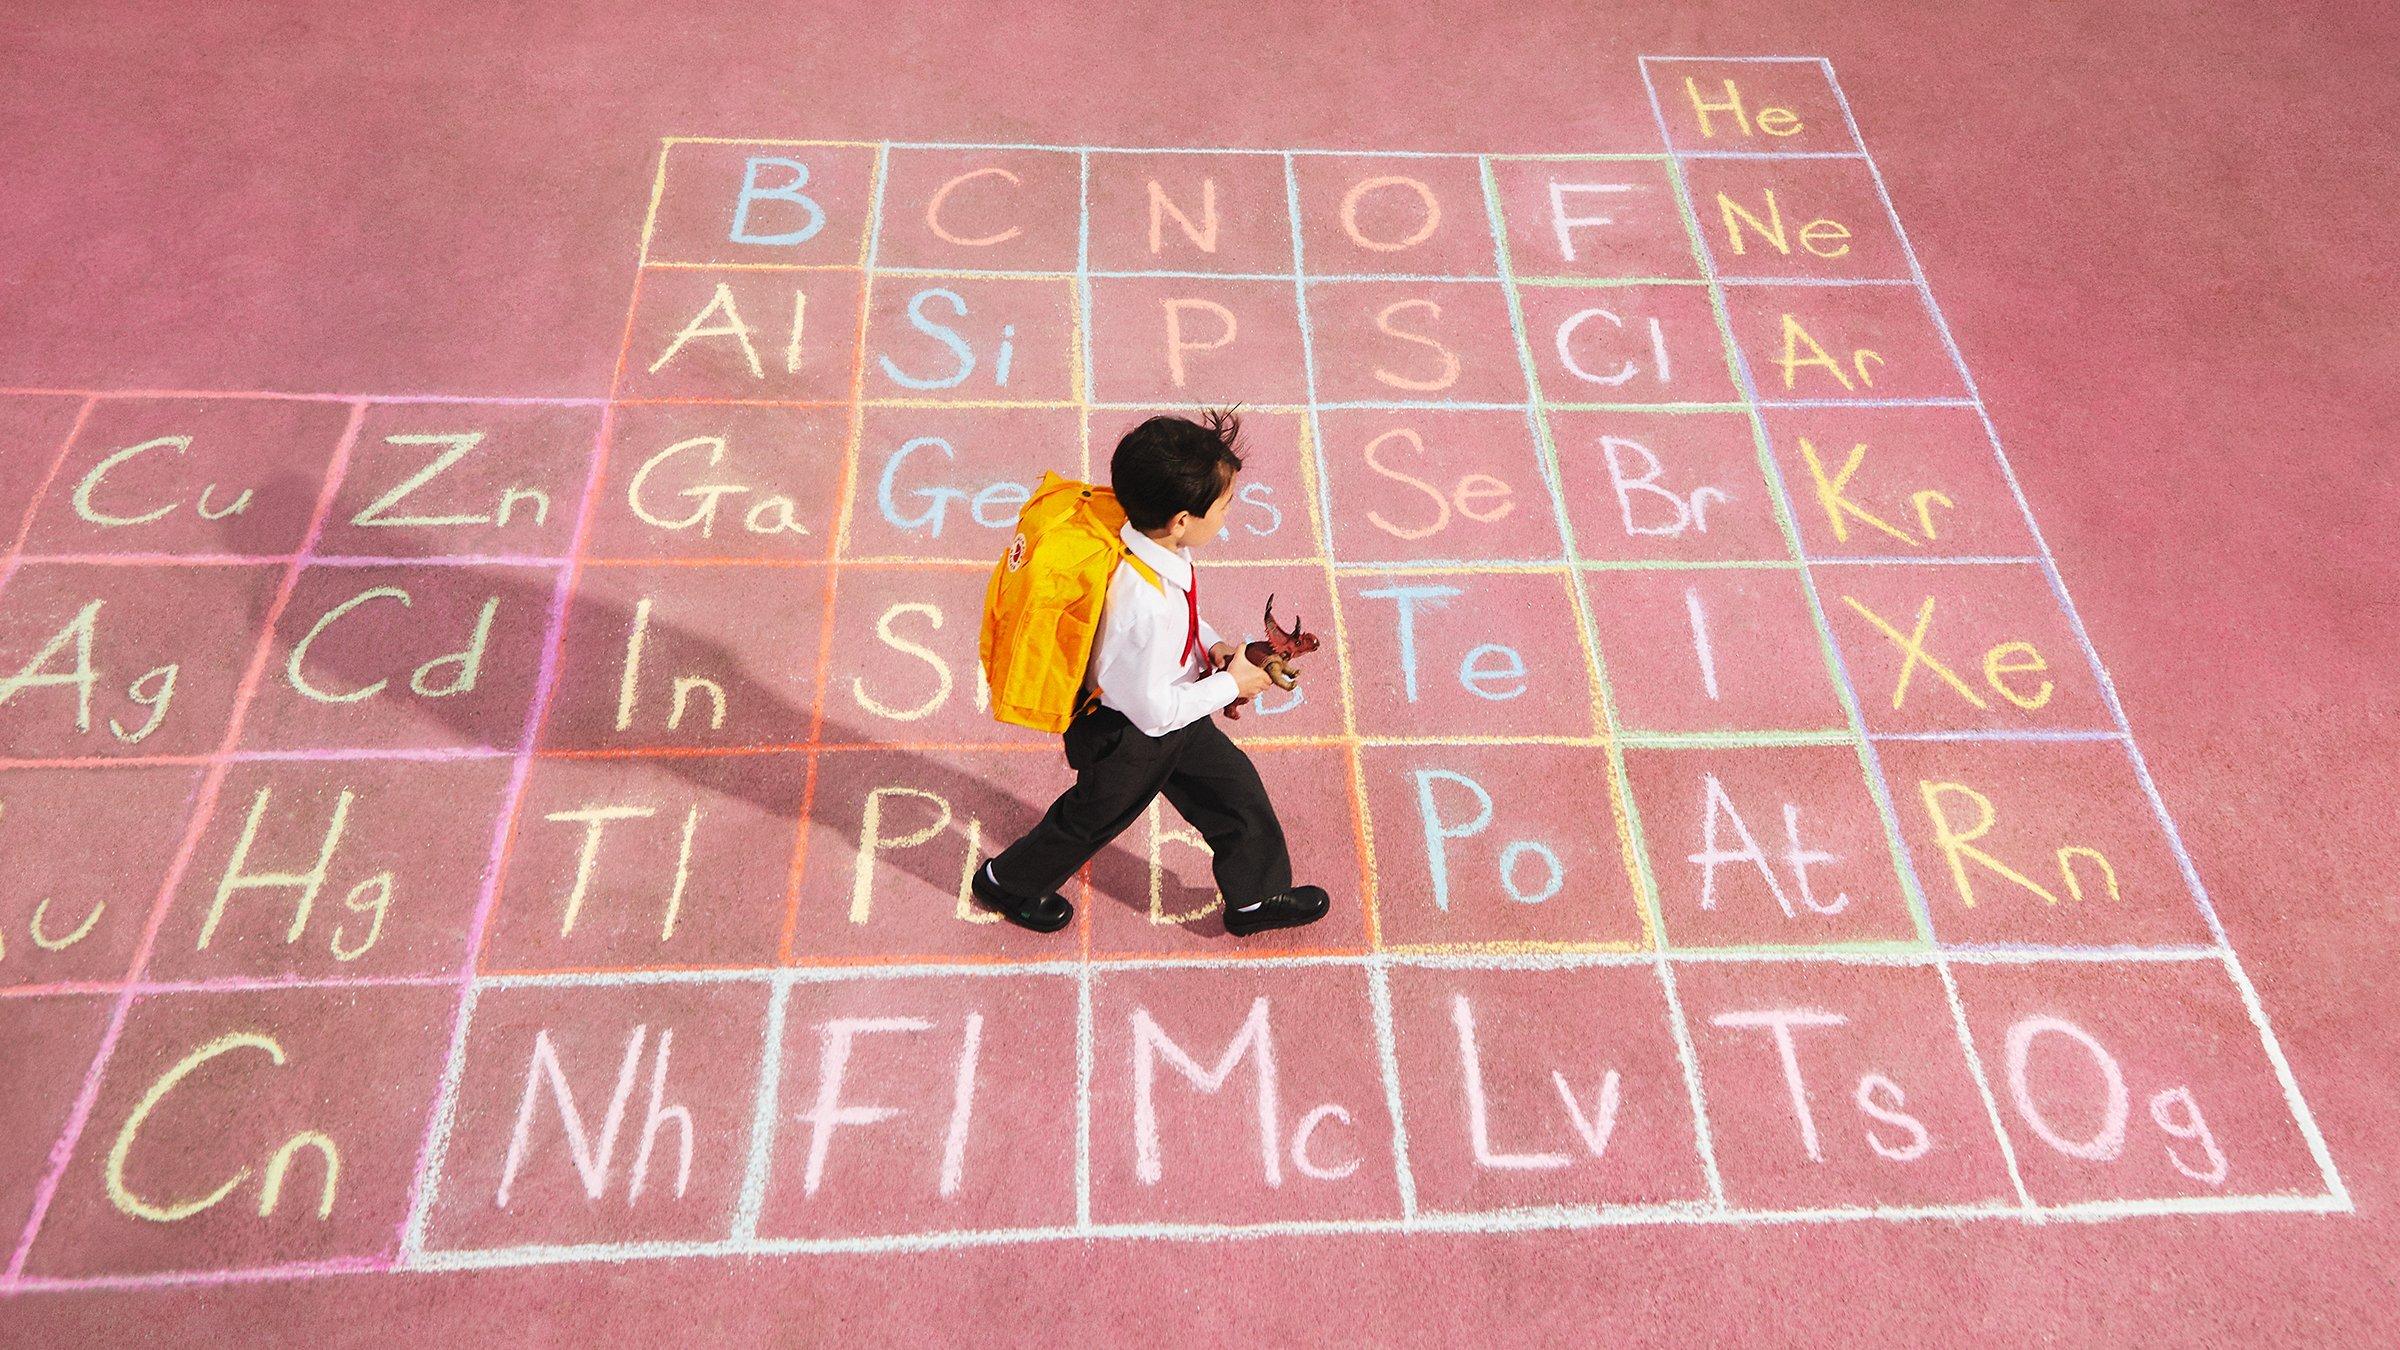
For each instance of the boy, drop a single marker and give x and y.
(1146, 723)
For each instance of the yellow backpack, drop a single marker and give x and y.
(1041, 611)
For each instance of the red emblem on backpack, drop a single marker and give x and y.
(1016, 552)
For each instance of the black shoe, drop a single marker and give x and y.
(1045, 915)
(1289, 909)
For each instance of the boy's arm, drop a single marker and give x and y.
(1208, 636)
(1140, 662)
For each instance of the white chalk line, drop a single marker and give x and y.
(1497, 1222)
(1505, 1221)
(1494, 1223)
(2302, 1117)
(763, 1118)
(1084, 1052)
(1464, 955)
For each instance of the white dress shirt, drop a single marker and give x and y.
(1137, 660)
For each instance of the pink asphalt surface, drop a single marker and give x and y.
(2153, 230)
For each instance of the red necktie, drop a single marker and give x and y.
(1191, 600)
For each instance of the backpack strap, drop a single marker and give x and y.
(1142, 569)
(1088, 701)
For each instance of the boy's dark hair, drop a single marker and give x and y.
(1171, 464)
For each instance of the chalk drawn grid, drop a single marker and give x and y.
(1374, 963)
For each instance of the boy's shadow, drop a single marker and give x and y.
(523, 599)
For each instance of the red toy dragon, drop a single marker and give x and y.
(1275, 655)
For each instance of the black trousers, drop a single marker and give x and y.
(1206, 778)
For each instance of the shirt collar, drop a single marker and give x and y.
(1173, 567)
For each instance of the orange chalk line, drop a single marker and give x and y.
(1544, 157)
(1631, 740)
(1369, 567)
(841, 536)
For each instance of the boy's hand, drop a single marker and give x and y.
(1247, 678)
(1221, 655)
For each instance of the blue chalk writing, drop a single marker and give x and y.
(1438, 833)
(939, 332)
(1408, 596)
(752, 191)
(993, 506)
(1470, 676)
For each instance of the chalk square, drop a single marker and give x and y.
(494, 480)
(1875, 1051)
(168, 649)
(34, 429)
(406, 848)
(956, 339)
(1430, 341)
(2046, 811)
(891, 842)
(1486, 1062)
(1499, 846)
(1712, 650)
(1657, 487)
(1373, 215)
(2162, 1026)
(226, 476)
(904, 664)
(1997, 630)
(1449, 654)
(1234, 600)
(699, 482)
(1841, 343)
(648, 862)
(917, 1106)
(1436, 486)
(948, 482)
(1317, 1147)
(1190, 341)
(1153, 892)
(1785, 107)
(51, 1042)
(337, 1082)
(1274, 515)
(1204, 212)
(743, 336)
(1795, 219)
(1767, 846)
(807, 206)
(1632, 344)
(1896, 483)
(980, 210)
(1593, 219)
(404, 658)
(689, 658)
(67, 915)
(662, 1082)
(1427, 485)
